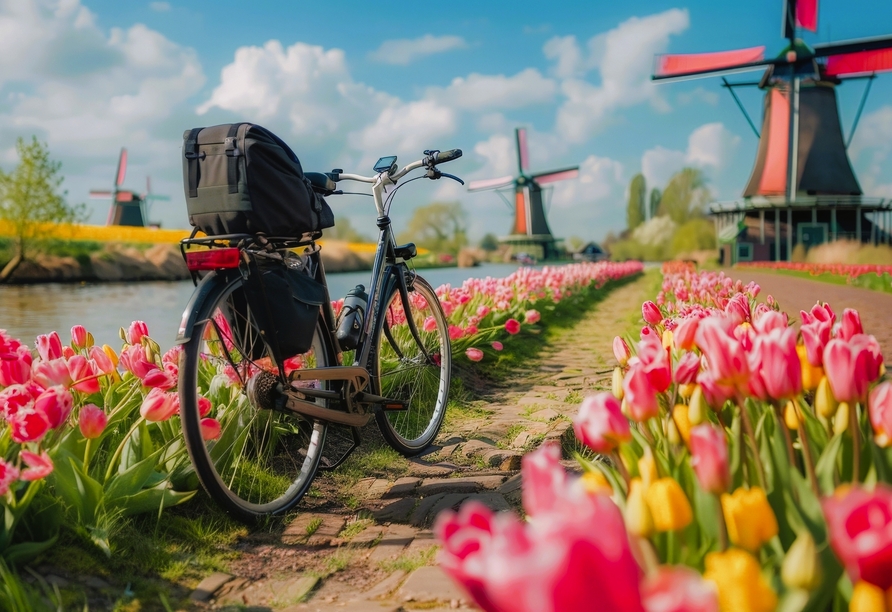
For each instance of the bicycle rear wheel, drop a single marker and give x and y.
(416, 370)
(264, 458)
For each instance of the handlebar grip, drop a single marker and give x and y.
(445, 156)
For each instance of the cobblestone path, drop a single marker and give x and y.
(386, 560)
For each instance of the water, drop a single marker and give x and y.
(103, 308)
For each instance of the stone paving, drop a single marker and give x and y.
(481, 462)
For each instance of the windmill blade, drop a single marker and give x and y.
(556, 175)
(124, 196)
(674, 66)
(485, 184)
(156, 198)
(862, 62)
(122, 168)
(96, 194)
(807, 14)
(853, 46)
(523, 156)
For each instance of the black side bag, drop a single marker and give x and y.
(240, 178)
(284, 304)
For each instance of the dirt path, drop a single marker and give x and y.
(379, 554)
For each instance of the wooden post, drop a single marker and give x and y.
(833, 222)
(777, 243)
(858, 224)
(789, 233)
(762, 226)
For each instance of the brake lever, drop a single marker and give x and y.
(453, 177)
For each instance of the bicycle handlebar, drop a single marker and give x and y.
(440, 157)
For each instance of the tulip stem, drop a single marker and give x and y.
(621, 467)
(120, 449)
(723, 527)
(751, 436)
(806, 451)
(854, 423)
(87, 457)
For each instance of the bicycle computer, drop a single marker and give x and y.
(385, 163)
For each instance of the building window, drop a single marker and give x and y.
(744, 251)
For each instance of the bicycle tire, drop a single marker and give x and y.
(264, 460)
(404, 371)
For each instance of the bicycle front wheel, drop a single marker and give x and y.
(262, 459)
(413, 367)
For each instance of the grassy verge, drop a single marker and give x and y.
(872, 282)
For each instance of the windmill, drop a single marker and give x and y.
(802, 170)
(128, 207)
(530, 231)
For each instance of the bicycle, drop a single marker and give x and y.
(273, 430)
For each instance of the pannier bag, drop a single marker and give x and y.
(240, 178)
(284, 305)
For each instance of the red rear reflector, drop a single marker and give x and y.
(212, 259)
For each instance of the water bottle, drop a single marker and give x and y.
(351, 317)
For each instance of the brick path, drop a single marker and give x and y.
(481, 462)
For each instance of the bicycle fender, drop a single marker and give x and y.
(207, 285)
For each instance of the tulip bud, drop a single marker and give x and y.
(79, 336)
(621, 351)
(638, 517)
(749, 518)
(841, 418)
(667, 338)
(111, 353)
(668, 505)
(698, 408)
(122, 333)
(647, 468)
(92, 421)
(801, 568)
(791, 417)
(594, 482)
(811, 375)
(650, 312)
(686, 391)
(617, 383)
(672, 433)
(825, 404)
(867, 597)
(624, 408)
(682, 421)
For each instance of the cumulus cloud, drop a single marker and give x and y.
(160, 7)
(479, 92)
(871, 146)
(405, 51)
(709, 146)
(624, 58)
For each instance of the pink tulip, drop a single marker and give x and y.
(455, 332)
(204, 406)
(879, 408)
(429, 324)
(474, 354)
(687, 368)
(55, 405)
(819, 312)
(850, 366)
(715, 394)
(28, 425)
(13, 398)
(162, 379)
(770, 320)
(815, 336)
(738, 309)
(103, 363)
(600, 423)
(39, 466)
(51, 373)
(709, 458)
(82, 373)
(79, 336)
(497, 345)
(158, 405)
(684, 333)
(860, 526)
(650, 312)
(92, 421)
(8, 475)
(678, 588)
(655, 361)
(137, 330)
(532, 317)
(543, 476)
(134, 360)
(724, 353)
(172, 356)
(621, 350)
(639, 394)
(775, 362)
(512, 326)
(15, 367)
(49, 346)
(851, 324)
(210, 429)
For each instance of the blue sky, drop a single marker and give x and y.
(344, 83)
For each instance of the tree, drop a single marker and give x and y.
(489, 242)
(655, 196)
(440, 227)
(343, 230)
(30, 201)
(635, 207)
(685, 195)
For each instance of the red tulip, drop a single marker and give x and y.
(716, 394)
(474, 354)
(162, 379)
(687, 368)
(498, 346)
(133, 358)
(92, 421)
(39, 466)
(204, 406)
(137, 330)
(655, 361)
(639, 394)
(158, 405)
(684, 333)
(600, 423)
(531, 316)
(775, 362)
(28, 425)
(819, 312)
(15, 366)
(83, 375)
(621, 350)
(724, 353)
(49, 346)
(651, 313)
(815, 336)
(512, 326)
(13, 398)
(678, 588)
(851, 324)
(851, 365)
(51, 373)
(738, 309)
(79, 336)
(55, 404)
(860, 527)
(8, 475)
(210, 429)
(709, 458)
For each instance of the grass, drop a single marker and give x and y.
(872, 282)
(409, 562)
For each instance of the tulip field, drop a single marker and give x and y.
(815, 269)
(91, 435)
(739, 463)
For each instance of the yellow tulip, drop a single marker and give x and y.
(825, 403)
(811, 375)
(594, 482)
(791, 418)
(738, 577)
(639, 520)
(647, 468)
(801, 568)
(680, 415)
(111, 354)
(667, 339)
(668, 505)
(617, 383)
(867, 597)
(686, 391)
(672, 433)
(698, 408)
(841, 418)
(749, 518)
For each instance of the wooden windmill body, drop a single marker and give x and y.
(802, 189)
(127, 207)
(530, 233)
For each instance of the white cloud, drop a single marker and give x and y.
(480, 92)
(407, 128)
(698, 94)
(624, 58)
(872, 145)
(709, 146)
(568, 58)
(160, 7)
(405, 51)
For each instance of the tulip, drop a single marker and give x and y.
(101, 360)
(851, 324)
(15, 367)
(820, 313)
(639, 395)
(532, 317)
(204, 406)
(668, 505)
(684, 333)
(39, 466)
(738, 577)
(55, 405)
(678, 588)
(791, 415)
(49, 346)
(709, 458)
(28, 425)
(543, 476)
(815, 337)
(650, 312)
(714, 393)
(849, 366)
(770, 320)
(774, 365)
(681, 418)
(801, 568)
(79, 336)
(512, 326)
(811, 375)
(879, 409)
(210, 429)
(8, 475)
(749, 518)
(13, 398)
(621, 350)
(687, 368)
(92, 421)
(616, 383)
(600, 424)
(825, 404)
(137, 330)
(859, 523)
(868, 598)
(724, 353)
(498, 346)
(738, 309)
(654, 358)
(639, 521)
(113, 357)
(474, 354)
(82, 374)
(158, 405)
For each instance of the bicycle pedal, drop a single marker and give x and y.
(395, 406)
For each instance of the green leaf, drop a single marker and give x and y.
(131, 481)
(21, 553)
(825, 468)
(152, 500)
